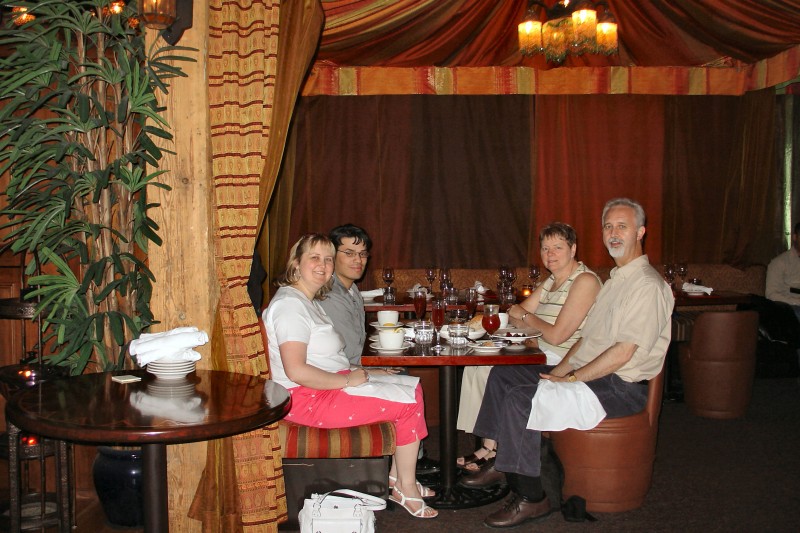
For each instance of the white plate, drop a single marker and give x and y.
(695, 293)
(480, 347)
(378, 325)
(377, 347)
(474, 334)
(170, 375)
(169, 365)
(519, 334)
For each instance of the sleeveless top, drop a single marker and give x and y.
(550, 304)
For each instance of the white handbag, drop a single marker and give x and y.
(340, 511)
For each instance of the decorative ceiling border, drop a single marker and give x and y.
(711, 80)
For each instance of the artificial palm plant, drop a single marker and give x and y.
(78, 118)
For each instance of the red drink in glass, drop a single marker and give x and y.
(437, 316)
(491, 323)
(420, 303)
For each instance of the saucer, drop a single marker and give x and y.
(377, 347)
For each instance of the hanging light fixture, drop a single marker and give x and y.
(569, 27)
(172, 17)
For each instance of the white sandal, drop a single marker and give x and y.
(425, 492)
(419, 513)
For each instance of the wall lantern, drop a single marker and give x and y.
(172, 17)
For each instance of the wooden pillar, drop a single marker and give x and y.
(186, 291)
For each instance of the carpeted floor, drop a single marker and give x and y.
(710, 475)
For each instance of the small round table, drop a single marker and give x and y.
(94, 409)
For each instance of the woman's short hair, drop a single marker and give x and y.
(291, 275)
(559, 229)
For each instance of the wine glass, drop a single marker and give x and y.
(491, 318)
(511, 275)
(533, 274)
(388, 276)
(420, 303)
(445, 278)
(430, 275)
(681, 269)
(502, 273)
(437, 315)
(669, 273)
(471, 300)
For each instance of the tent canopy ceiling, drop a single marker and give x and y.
(479, 33)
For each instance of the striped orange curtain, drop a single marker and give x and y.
(251, 98)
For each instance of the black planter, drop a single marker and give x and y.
(118, 482)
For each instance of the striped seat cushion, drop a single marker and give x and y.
(302, 442)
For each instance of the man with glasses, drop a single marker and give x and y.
(344, 304)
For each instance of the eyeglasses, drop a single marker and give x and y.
(352, 254)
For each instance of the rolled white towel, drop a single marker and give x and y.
(374, 293)
(172, 340)
(691, 287)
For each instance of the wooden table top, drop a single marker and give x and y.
(532, 356)
(715, 298)
(92, 408)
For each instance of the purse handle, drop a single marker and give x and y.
(373, 503)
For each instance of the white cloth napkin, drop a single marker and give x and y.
(479, 287)
(395, 388)
(173, 345)
(561, 405)
(374, 293)
(418, 286)
(690, 287)
(186, 410)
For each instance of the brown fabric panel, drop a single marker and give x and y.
(594, 148)
(721, 179)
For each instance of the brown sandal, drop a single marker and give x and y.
(472, 459)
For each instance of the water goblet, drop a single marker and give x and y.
(471, 300)
(511, 275)
(430, 275)
(388, 276)
(533, 274)
(423, 333)
(420, 303)
(681, 269)
(445, 278)
(669, 273)
(491, 318)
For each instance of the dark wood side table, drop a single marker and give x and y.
(93, 409)
(449, 494)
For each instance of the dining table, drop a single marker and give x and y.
(149, 412)
(449, 494)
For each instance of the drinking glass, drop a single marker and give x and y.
(457, 315)
(389, 295)
(388, 276)
(669, 273)
(507, 298)
(471, 300)
(533, 273)
(445, 279)
(423, 333)
(458, 335)
(420, 303)
(511, 275)
(437, 315)
(502, 273)
(491, 318)
(430, 275)
(681, 269)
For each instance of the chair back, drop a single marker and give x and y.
(655, 390)
(724, 336)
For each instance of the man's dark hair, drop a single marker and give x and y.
(349, 230)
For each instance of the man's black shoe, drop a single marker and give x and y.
(427, 466)
(517, 510)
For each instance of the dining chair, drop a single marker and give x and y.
(318, 460)
(718, 363)
(611, 465)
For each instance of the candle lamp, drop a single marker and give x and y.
(526, 291)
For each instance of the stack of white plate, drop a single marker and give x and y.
(177, 388)
(165, 369)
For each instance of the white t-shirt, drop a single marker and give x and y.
(291, 316)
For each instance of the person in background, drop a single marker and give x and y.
(783, 275)
(622, 345)
(306, 356)
(557, 308)
(344, 304)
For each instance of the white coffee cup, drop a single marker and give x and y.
(391, 339)
(503, 320)
(388, 317)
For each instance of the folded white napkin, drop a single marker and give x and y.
(479, 287)
(690, 287)
(372, 294)
(186, 410)
(561, 405)
(175, 345)
(418, 286)
(395, 388)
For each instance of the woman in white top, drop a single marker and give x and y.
(558, 308)
(306, 356)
